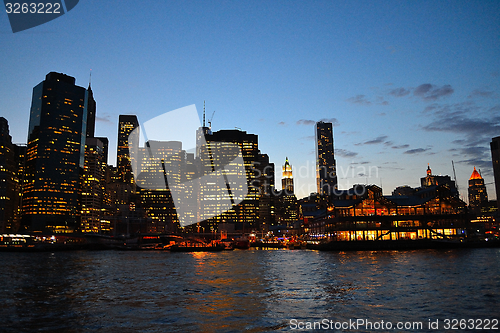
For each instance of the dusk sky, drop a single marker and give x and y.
(405, 83)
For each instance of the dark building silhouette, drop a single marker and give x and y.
(55, 155)
(326, 172)
(90, 105)
(477, 193)
(495, 156)
(431, 180)
(267, 199)
(126, 124)
(9, 183)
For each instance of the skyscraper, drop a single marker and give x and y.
(55, 154)
(326, 172)
(287, 178)
(495, 156)
(287, 210)
(219, 151)
(477, 193)
(126, 124)
(92, 186)
(8, 180)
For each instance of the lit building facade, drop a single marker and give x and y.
(220, 150)
(326, 172)
(55, 155)
(288, 207)
(362, 213)
(126, 124)
(161, 168)
(478, 196)
(93, 188)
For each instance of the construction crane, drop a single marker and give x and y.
(210, 121)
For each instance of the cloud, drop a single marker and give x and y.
(416, 151)
(474, 128)
(334, 121)
(345, 153)
(282, 123)
(309, 122)
(481, 93)
(399, 92)
(104, 119)
(359, 99)
(430, 92)
(305, 122)
(401, 146)
(308, 138)
(377, 140)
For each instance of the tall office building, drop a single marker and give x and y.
(219, 151)
(267, 198)
(287, 210)
(161, 167)
(92, 187)
(477, 193)
(9, 198)
(91, 108)
(126, 124)
(495, 156)
(287, 178)
(326, 172)
(55, 155)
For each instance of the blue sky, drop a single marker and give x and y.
(406, 83)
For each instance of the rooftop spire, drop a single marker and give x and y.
(90, 77)
(475, 175)
(203, 113)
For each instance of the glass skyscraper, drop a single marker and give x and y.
(55, 154)
(326, 172)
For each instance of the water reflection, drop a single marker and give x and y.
(253, 291)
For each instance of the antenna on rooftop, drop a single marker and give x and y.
(203, 113)
(454, 174)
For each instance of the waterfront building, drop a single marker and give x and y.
(55, 155)
(326, 172)
(9, 182)
(478, 196)
(126, 124)
(495, 156)
(362, 213)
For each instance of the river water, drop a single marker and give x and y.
(244, 290)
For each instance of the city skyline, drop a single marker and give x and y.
(403, 84)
